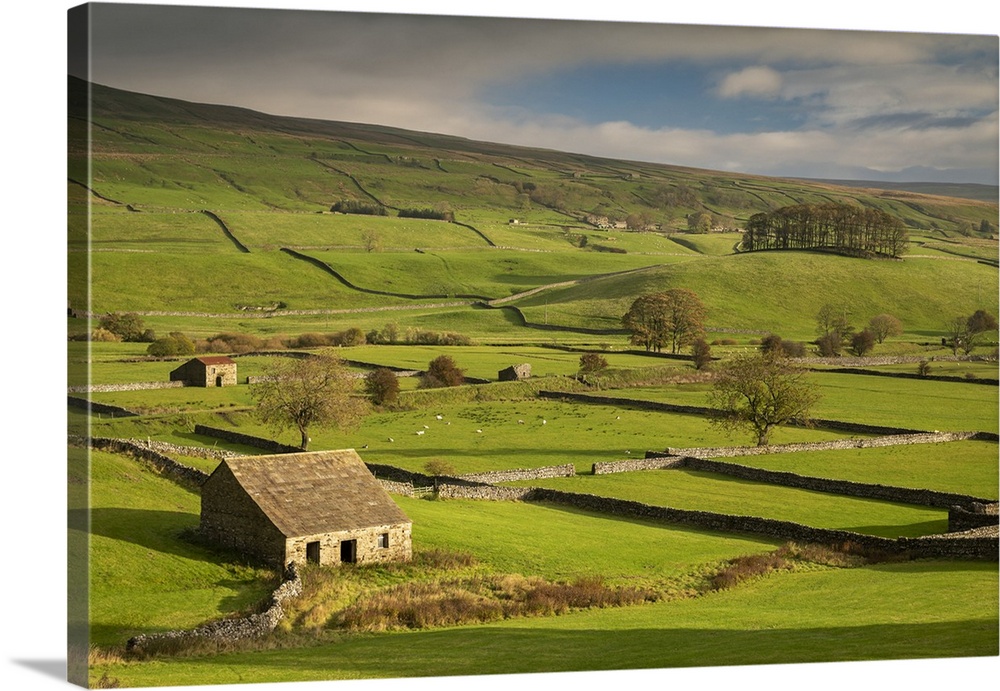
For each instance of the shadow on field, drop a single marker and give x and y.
(509, 650)
(154, 530)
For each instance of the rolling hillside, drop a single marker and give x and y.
(201, 212)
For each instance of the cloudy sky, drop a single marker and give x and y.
(817, 103)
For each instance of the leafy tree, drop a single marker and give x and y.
(592, 362)
(701, 354)
(382, 386)
(700, 222)
(175, 343)
(128, 326)
(829, 345)
(862, 342)
(882, 326)
(371, 240)
(774, 343)
(442, 371)
(924, 368)
(760, 391)
(308, 392)
(438, 468)
(675, 317)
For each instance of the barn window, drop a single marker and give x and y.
(383, 540)
(312, 552)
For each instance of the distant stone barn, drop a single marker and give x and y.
(215, 370)
(515, 373)
(321, 507)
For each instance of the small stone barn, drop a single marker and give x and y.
(515, 373)
(322, 507)
(215, 370)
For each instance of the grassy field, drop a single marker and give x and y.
(951, 612)
(158, 165)
(144, 577)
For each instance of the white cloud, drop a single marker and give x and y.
(752, 81)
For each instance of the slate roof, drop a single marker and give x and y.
(316, 492)
(216, 360)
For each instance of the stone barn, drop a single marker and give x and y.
(321, 507)
(515, 373)
(216, 370)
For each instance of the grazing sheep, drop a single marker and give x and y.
(419, 432)
(438, 417)
(391, 439)
(520, 422)
(479, 431)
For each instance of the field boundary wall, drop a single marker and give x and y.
(101, 408)
(659, 406)
(133, 386)
(253, 626)
(949, 546)
(245, 439)
(186, 475)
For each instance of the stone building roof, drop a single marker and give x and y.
(315, 492)
(215, 360)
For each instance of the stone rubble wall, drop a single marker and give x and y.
(971, 517)
(658, 406)
(495, 476)
(100, 408)
(225, 630)
(245, 439)
(191, 477)
(905, 495)
(937, 546)
(886, 440)
(133, 386)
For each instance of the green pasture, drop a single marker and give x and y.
(701, 491)
(217, 283)
(485, 361)
(957, 368)
(905, 403)
(931, 609)
(270, 230)
(143, 576)
(781, 292)
(962, 467)
(572, 433)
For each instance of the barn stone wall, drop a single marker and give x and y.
(229, 518)
(367, 549)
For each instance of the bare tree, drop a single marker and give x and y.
(883, 326)
(760, 391)
(675, 317)
(304, 393)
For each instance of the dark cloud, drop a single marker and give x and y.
(913, 121)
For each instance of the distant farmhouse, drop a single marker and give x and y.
(321, 507)
(216, 370)
(515, 373)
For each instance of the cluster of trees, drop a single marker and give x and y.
(351, 206)
(836, 334)
(842, 227)
(673, 318)
(432, 214)
(123, 326)
(966, 333)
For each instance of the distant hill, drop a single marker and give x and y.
(984, 193)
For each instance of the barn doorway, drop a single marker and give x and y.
(218, 380)
(312, 552)
(348, 551)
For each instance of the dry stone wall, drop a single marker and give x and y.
(959, 546)
(495, 476)
(134, 386)
(225, 630)
(245, 439)
(99, 408)
(186, 475)
(921, 497)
